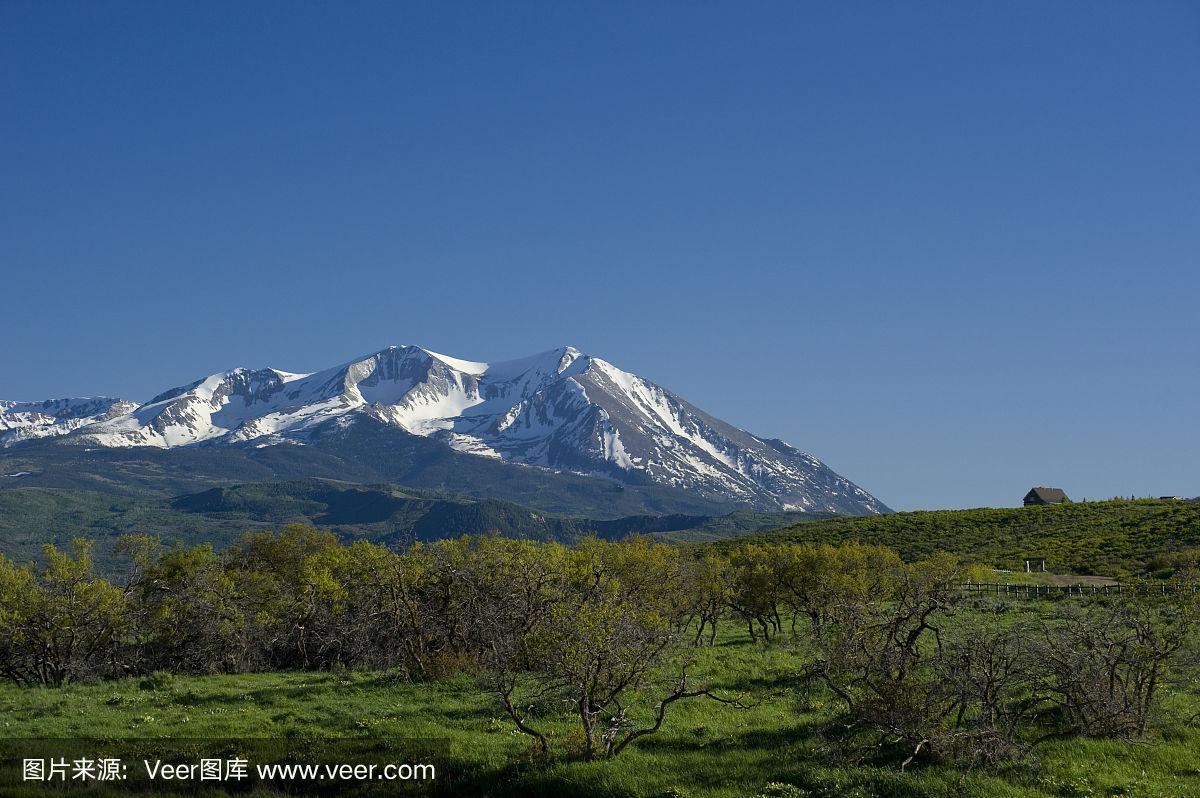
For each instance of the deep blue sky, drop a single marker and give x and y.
(953, 249)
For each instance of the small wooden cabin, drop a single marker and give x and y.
(1039, 496)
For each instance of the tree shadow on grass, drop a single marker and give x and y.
(755, 683)
(524, 780)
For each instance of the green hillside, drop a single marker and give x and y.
(30, 517)
(1111, 537)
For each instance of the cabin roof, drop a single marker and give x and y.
(1049, 495)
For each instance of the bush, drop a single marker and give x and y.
(159, 680)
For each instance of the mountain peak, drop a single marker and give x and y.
(560, 410)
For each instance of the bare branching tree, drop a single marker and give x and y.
(1109, 661)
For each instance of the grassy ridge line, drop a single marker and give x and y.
(1112, 537)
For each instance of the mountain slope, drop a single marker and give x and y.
(367, 452)
(559, 411)
(23, 421)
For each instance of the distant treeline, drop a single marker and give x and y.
(611, 630)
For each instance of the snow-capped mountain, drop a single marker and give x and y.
(22, 421)
(560, 410)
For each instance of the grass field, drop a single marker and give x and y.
(707, 749)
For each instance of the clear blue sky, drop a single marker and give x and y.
(953, 249)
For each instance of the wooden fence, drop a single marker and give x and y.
(1060, 591)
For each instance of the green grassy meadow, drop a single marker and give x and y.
(785, 744)
(789, 742)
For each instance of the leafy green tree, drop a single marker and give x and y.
(183, 609)
(707, 590)
(509, 590)
(756, 589)
(288, 595)
(58, 622)
(612, 646)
